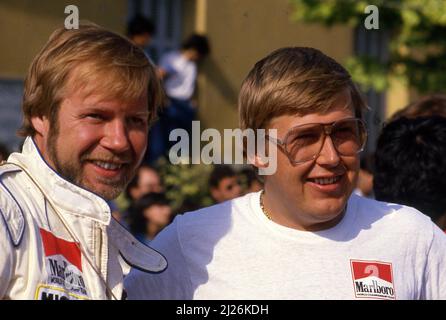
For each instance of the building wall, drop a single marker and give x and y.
(242, 32)
(397, 97)
(26, 25)
(188, 18)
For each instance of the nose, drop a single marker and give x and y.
(116, 136)
(328, 156)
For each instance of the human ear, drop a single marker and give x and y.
(41, 125)
(215, 193)
(258, 161)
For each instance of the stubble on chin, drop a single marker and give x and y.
(72, 171)
(107, 189)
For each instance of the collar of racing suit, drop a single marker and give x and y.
(72, 198)
(63, 193)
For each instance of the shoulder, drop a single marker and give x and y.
(187, 243)
(190, 226)
(391, 215)
(214, 216)
(11, 213)
(170, 56)
(206, 215)
(7, 170)
(6, 258)
(197, 228)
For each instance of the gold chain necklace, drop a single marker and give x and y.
(262, 205)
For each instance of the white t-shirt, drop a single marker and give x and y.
(232, 251)
(181, 75)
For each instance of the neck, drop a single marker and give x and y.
(44, 150)
(152, 230)
(188, 54)
(284, 213)
(441, 222)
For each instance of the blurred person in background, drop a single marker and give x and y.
(364, 186)
(178, 70)
(431, 105)
(89, 97)
(411, 165)
(251, 181)
(145, 181)
(224, 184)
(140, 31)
(149, 215)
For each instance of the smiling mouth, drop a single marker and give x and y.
(325, 181)
(108, 165)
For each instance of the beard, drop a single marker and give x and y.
(72, 169)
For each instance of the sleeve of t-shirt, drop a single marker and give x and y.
(435, 272)
(166, 65)
(171, 284)
(5, 257)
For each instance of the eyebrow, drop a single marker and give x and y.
(108, 109)
(322, 123)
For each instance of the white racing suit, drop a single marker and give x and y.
(39, 256)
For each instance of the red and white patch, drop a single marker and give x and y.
(63, 261)
(372, 279)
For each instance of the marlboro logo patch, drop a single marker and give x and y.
(55, 246)
(64, 268)
(372, 279)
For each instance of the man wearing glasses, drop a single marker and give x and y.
(305, 236)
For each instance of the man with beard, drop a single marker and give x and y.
(88, 101)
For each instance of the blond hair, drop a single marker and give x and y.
(104, 61)
(293, 81)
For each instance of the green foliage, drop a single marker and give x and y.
(417, 48)
(368, 72)
(186, 182)
(351, 12)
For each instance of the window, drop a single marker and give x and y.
(11, 92)
(373, 43)
(166, 15)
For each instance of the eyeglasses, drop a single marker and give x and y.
(305, 142)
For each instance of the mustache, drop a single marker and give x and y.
(108, 157)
